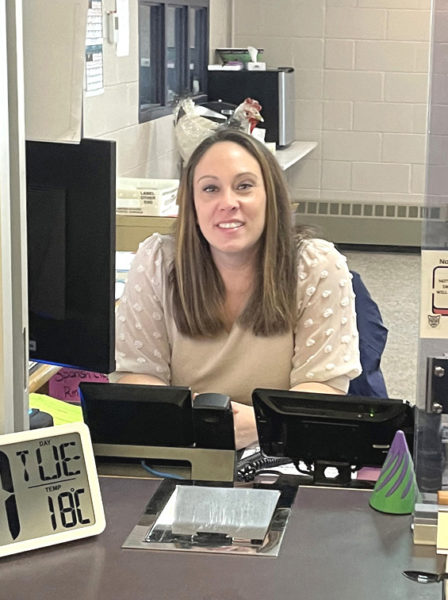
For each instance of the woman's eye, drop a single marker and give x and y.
(245, 186)
(210, 188)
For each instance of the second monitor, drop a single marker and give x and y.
(329, 430)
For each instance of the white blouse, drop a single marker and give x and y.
(322, 348)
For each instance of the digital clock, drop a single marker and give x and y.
(49, 490)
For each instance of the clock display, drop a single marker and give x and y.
(49, 490)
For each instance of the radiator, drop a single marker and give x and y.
(371, 223)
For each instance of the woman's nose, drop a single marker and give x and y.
(228, 200)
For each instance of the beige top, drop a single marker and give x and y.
(323, 346)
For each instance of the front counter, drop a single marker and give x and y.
(335, 548)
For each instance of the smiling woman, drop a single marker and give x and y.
(230, 203)
(259, 258)
(234, 300)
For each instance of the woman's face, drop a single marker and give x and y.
(230, 200)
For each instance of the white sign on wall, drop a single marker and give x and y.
(54, 35)
(94, 69)
(434, 294)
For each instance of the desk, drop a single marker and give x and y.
(335, 548)
(132, 230)
(40, 376)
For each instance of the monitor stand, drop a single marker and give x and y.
(199, 464)
(343, 478)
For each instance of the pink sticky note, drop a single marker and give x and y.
(64, 384)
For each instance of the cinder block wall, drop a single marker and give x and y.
(361, 91)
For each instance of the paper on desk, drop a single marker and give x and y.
(119, 289)
(123, 260)
(62, 412)
(237, 512)
(244, 513)
(442, 532)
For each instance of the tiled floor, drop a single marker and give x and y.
(393, 280)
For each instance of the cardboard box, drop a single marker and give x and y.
(148, 197)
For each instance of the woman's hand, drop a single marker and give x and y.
(316, 387)
(140, 379)
(244, 425)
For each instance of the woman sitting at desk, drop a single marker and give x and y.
(233, 300)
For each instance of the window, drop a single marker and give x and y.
(198, 32)
(173, 51)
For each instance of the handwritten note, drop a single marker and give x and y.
(64, 384)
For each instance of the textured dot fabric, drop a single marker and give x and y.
(323, 347)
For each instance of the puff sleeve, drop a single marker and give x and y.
(326, 348)
(142, 340)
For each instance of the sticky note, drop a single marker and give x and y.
(442, 532)
(64, 385)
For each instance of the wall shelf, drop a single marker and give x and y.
(287, 157)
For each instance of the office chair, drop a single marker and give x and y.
(372, 341)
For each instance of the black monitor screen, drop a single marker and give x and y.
(142, 415)
(329, 429)
(71, 253)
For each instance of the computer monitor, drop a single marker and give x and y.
(329, 430)
(71, 253)
(141, 428)
(137, 415)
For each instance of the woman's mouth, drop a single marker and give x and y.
(230, 225)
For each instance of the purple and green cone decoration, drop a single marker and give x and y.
(396, 491)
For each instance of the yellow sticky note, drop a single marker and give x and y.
(62, 412)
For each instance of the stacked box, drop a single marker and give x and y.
(147, 197)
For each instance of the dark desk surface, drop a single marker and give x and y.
(335, 548)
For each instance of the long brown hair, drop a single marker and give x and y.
(197, 287)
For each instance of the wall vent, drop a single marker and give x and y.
(376, 210)
(370, 223)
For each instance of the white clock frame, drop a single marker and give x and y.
(92, 477)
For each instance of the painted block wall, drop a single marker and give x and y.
(361, 91)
